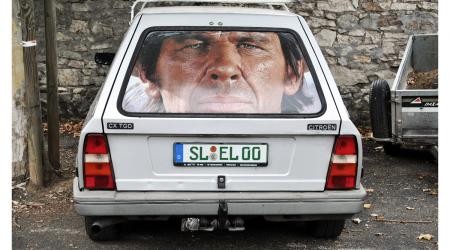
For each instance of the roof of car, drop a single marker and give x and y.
(215, 10)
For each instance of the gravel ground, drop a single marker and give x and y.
(402, 196)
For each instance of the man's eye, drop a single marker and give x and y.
(247, 46)
(194, 46)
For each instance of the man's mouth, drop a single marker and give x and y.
(223, 104)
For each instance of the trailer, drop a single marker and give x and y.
(406, 112)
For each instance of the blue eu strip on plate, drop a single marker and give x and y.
(178, 156)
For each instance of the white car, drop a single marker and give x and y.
(212, 115)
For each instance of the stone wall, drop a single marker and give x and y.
(362, 40)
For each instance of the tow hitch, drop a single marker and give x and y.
(222, 222)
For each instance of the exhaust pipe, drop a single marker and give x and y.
(96, 227)
(100, 224)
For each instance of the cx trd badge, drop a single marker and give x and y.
(120, 125)
(322, 127)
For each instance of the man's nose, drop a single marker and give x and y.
(224, 65)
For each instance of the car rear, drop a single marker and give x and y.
(214, 168)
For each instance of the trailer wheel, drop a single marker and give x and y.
(326, 228)
(380, 109)
(380, 114)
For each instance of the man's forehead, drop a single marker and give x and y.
(264, 36)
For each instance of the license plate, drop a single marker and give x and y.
(220, 155)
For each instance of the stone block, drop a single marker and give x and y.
(366, 48)
(330, 52)
(342, 61)
(78, 26)
(82, 15)
(76, 64)
(79, 90)
(344, 49)
(403, 6)
(343, 39)
(317, 13)
(61, 37)
(303, 14)
(336, 6)
(121, 5)
(326, 37)
(62, 61)
(370, 22)
(387, 58)
(91, 39)
(348, 77)
(419, 22)
(386, 5)
(390, 28)
(428, 6)
(372, 7)
(372, 37)
(331, 16)
(303, 6)
(76, 98)
(331, 60)
(347, 96)
(384, 74)
(91, 65)
(98, 80)
(70, 55)
(100, 46)
(102, 70)
(80, 48)
(362, 59)
(70, 77)
(394, 37)
(86, 81)
(108, 31)
(320, 22)
(87, 72)
(97, 28)
(357, 32)
(80, 7)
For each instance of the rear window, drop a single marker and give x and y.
(220, 72)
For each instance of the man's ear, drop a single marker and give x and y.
(151, 88)
(294, 83)
(142, 75)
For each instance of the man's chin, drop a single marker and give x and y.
(218, 107)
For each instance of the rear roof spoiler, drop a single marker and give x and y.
(270, 3)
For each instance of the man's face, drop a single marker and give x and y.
(223, 72)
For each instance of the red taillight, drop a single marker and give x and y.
(344, 164)
(97, 163)
(96, 144)
(345, 145)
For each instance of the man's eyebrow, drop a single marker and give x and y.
(253, 37)
(196, 36)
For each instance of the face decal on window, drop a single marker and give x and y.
(220, 72)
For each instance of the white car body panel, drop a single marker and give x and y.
(142, 157)
(156, 170)
(310, 172)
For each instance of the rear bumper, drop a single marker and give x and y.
(112, 203)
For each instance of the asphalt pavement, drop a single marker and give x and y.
(402, 205)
